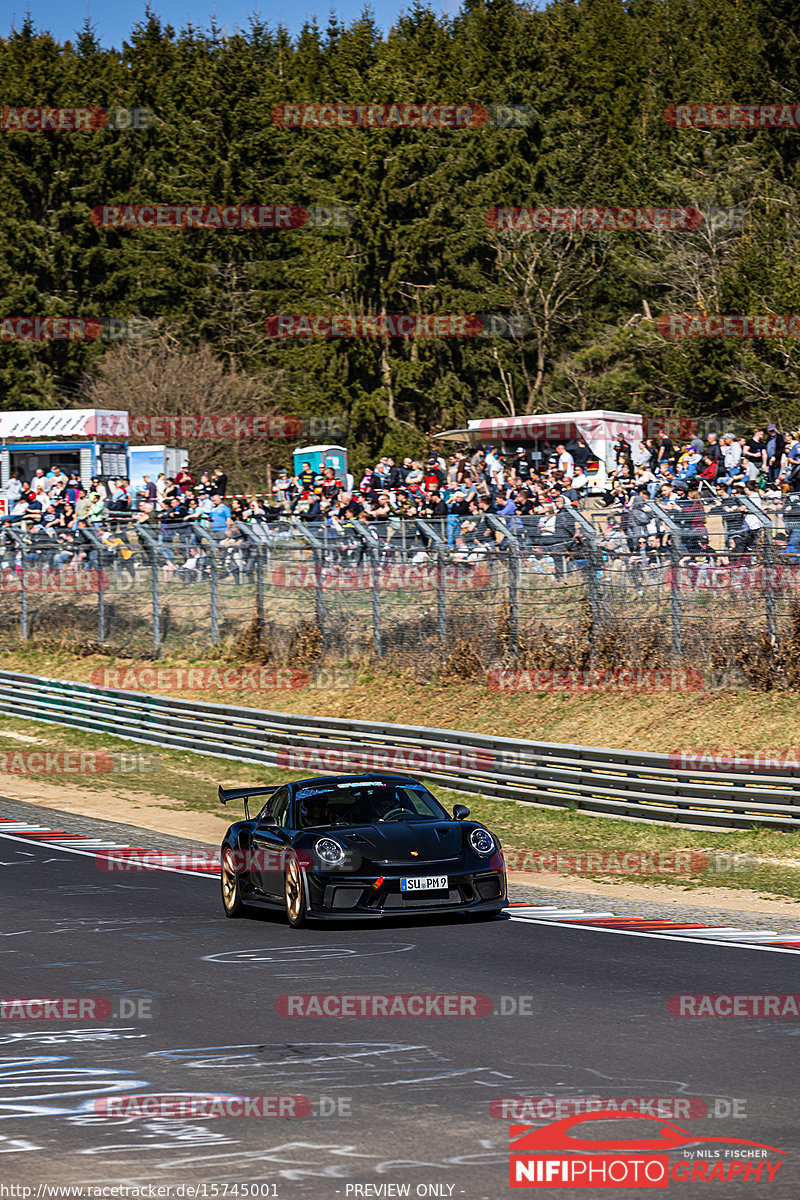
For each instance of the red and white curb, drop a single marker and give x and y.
(59, 839)
(688, 931)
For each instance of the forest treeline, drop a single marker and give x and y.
(594, 77)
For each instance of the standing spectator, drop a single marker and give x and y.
(219, 514)
(40, 484)
(776, 444)
(184, 480)
(566, 463)
(714, 452)
(148, 490)
(665, 448)
(285, 488)
(523, 467)
(732, 458)
(434, 476)
(306, 478)
(755, 454)
(219, 482)
(13, 490)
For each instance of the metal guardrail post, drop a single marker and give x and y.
(152, 546)
(368, 536)
(513, 580)
(769, 563)
(675, 533)
(441, 597)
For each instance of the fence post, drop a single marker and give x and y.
(152, 547)
(318, 553)
(213, 548)
(769, 563)
(101, 596)
(675, 582)
(440, 546)
(19, 556)
(595, 565)
(366, 534)
(513, 581)
(261, 554)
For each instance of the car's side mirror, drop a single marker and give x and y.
(268, 821)
(460, 811)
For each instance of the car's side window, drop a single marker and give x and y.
(279, 807)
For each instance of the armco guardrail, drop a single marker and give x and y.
(609, 783)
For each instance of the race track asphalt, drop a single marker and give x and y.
(408, 1097)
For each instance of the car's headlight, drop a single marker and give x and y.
(330, 852)
(481, 841)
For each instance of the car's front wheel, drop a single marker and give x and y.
(295, 895)
(232, 902)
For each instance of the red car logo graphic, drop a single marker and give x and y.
(555, 1136)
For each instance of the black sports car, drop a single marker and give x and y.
(358, 846)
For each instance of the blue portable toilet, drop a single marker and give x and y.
(319, 457)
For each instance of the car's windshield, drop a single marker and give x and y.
(353, 803)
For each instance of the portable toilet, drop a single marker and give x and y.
(319, 457)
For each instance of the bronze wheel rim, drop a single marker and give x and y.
(229, 884)
(294, 891)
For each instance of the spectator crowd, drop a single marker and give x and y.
(65, 523)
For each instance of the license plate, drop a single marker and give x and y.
(424, 883)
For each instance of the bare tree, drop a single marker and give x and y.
(545, 274)
(159, 377)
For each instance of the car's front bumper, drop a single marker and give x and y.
(358, 896)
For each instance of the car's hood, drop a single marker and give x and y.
(401, 842)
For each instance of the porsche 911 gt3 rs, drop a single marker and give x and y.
(366, 846)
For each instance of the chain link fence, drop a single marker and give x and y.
(661, 585)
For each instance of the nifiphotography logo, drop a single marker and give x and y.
(549, 1156)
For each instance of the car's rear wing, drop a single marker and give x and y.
(244, 793)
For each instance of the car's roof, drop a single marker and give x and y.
(366, 778)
